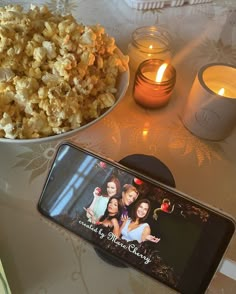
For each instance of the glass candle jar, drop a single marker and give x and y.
(149, 42)
(150, 92)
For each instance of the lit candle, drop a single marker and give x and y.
(151, 42)
(210, 112)
(154, 83)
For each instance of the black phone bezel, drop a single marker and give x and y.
(205, 264)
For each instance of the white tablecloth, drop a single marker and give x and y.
(41, 258)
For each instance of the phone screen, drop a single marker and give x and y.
(159, 231)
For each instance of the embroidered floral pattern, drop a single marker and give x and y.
(78, 246)
(62, 6)
(37, 159)
(225, 3)
(179, 138)
(216, 51)
(204, 151)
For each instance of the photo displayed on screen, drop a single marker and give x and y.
(128, 217)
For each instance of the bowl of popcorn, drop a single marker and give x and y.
(57, 76)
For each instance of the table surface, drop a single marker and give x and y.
(40, 257)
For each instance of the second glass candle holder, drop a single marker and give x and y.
(149, 42)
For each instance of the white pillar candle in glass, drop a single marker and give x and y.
(150, 42)
(210, 112)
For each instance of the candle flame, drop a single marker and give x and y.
(145, 132)
(160, 72)
(221, 92)
(150, 47)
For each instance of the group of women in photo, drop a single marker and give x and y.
(111, 210)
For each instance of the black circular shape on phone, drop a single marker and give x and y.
(150, 166)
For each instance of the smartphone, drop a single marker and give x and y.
(147, 225)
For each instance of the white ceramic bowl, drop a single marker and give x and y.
(122, 85)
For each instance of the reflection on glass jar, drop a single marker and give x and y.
(149, 42)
